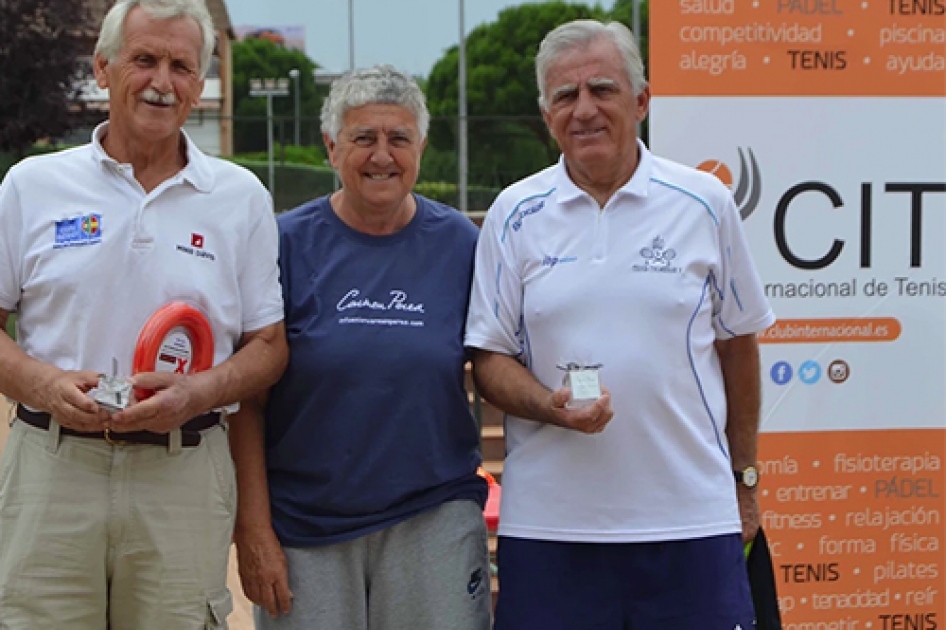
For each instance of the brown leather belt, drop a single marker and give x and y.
(190, 430)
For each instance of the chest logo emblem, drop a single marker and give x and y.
(657, 258)
(78, 231)
(196, 248)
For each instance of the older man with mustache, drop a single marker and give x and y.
(117, 515)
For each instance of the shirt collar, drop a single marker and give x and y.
(197, 171)
(638, 185)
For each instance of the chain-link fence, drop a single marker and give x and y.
(501, 151)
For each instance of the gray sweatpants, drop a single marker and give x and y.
(430, 572)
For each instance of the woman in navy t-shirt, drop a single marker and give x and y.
(360, 506)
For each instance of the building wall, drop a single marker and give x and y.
(204, 129)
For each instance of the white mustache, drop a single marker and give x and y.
(151, 95)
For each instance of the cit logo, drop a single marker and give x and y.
(781, 373)
(809, 373)
(838, 371)
(749, 187)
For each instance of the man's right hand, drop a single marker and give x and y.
(263, 569)
(63, 396)
(591, 419)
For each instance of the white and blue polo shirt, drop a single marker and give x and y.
(643, 286)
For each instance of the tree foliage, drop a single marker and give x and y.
(507, 137)
(623, 12)
(258, 58)
(41, 47)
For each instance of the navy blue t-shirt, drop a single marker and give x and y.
(371, 423)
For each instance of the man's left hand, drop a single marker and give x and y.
(175, 401)
(748, 511)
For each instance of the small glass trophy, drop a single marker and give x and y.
(584, 382)
(112, 392)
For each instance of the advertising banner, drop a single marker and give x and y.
(828, 120)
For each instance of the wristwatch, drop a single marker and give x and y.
(748, 476)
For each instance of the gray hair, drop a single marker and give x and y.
(381, 84)
(112, 35)
(578, 33)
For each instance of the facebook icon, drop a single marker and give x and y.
(781, 373)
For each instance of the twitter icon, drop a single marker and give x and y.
(809, 372)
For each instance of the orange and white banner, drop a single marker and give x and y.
(828, 120)
(798, 47)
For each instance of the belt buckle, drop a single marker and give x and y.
(107, 434)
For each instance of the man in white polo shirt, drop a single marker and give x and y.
(619, 511)
(116, 517)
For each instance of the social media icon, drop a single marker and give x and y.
(809, 372)
(838, 371)
(781, 373)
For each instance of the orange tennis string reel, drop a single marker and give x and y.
(177, 338)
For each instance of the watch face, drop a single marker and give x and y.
(750, 477)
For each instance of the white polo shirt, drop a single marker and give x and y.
(644, 286)
(86, 256)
